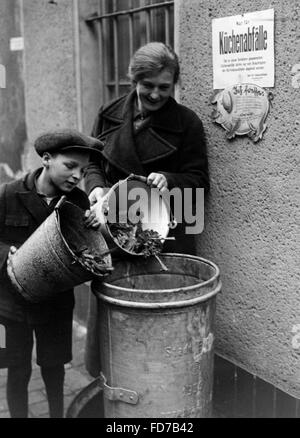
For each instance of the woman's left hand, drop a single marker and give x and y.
(90, 219)
(157, 180)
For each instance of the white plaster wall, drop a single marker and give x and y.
(50, 69)
(12, 118)
(252, 212)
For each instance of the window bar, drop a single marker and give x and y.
(116, 52)
(274, 403)
(102, 55)
(131, 30)
(235, 392)
(297, 409)
(148, 25)
(254, 396)
(130, 34)
(131, 11)
(124, 83)
(167, 25)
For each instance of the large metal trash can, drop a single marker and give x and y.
(157, 337)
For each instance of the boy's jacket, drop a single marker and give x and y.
(22, 210)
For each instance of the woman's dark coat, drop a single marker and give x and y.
(172, 143)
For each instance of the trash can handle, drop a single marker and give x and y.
(117, 394)
(173, 222)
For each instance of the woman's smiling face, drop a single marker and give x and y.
(154, 91)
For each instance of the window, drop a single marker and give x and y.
(124, 26)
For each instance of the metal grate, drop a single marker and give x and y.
(240, 394)
(125, 25)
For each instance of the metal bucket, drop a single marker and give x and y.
(156, 337)
(45, 264)
(151, 208)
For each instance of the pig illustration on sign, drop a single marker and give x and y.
(242, 110)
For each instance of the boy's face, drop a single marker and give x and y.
(65, 170)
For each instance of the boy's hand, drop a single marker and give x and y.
(90, 219)
(98, 202)
(99, 209)
(96, 195)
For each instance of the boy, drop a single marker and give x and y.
(24, 205)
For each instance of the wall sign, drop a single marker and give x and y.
(242, 110)
(243, 49)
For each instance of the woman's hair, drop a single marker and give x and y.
(151, 59)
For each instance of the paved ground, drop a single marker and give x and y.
(76, 378)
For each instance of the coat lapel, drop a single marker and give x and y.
(168, 118)
(152, 147)
(35, 206)
(120, 142)
(119, 147)
(31, 200)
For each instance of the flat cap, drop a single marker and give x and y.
(67, 140)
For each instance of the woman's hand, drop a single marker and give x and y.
(157, 180)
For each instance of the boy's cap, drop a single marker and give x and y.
(67, 140)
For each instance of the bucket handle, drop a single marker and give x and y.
(173, 222)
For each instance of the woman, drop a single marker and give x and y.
(147, 133)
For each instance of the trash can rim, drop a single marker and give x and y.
(162, 304)
(182, 289)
